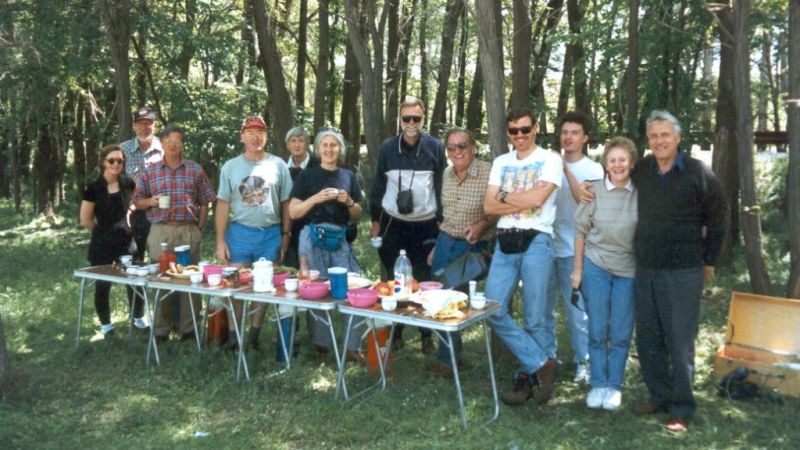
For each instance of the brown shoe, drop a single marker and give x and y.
(647, 408)
(441, 369)
(677, 425)
(520, 392)
(547, 378)
(428, 348)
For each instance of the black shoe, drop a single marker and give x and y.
(428, 348)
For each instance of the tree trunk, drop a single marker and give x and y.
(141, 76)
(763, 89)
(452, 13)
(247, 57)
(541, 57)
(115, 20)
(793, 127)
(323, 66)
(461, 89)
(45, 171)
(475, 101)
(521, 54)
(392, 60)
(349, 120)
(751, 224)
(632, 76)
(302, 42)
(423, 54)
(279, 103)
(6, 377)
(399, 79)
(79, 150)
(708, 73)
(487, 16)
(579, 70)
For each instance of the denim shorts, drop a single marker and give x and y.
(248, 244)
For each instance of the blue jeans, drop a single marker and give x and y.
(446, 251)
(577, 320)
(248, 244)
(528, 343)
(610, 304)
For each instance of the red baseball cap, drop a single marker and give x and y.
(253, 122)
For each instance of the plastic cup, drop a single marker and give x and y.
(163, 201)
(389, 304)
(126, 260)
(291, 284)
(376, 242)
(338, 277)
(214, 279)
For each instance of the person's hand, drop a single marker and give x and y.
(343, 197)
(576, 277)
(474, 231)
(585, 192)
(324, 195)
(375, 230)
(223, 252)
(708, 273)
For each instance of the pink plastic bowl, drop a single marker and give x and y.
(209, 269)
(313, 290)
(430, 285)
(279, 278)
(362, 298)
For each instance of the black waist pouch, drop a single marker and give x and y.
(515, 240)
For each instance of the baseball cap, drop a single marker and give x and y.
(144, 112)
(253, 122)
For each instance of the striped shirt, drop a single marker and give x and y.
(138, 160)
(462, 201)
(187, 186)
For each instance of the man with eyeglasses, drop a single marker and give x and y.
(252, 215)
(521, 189)
(406, 198)
(465, 227)
(141, 152)
(179, 221)
(578, 168)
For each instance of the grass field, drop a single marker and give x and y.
(102, 395)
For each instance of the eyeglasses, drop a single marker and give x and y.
(255, 133)
(415, 119)
(115, 160)
(459, 146)
(515, 131)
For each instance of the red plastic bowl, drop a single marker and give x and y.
(430, 285)
(362, 298)
(313, 290)
(279, 278)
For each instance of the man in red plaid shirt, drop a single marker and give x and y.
(178, 221)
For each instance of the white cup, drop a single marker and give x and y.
(214, 279)
(478, 301)
(126, 260)
(131, 270)
(163, 201)
(377, 241)
(291, 284)
(196, 278)
(389, 303)
(142, 271)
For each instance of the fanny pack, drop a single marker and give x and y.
(515, 240)
(327, 236)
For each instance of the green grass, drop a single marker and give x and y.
(102, 395)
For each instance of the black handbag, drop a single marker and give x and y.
(467, 267)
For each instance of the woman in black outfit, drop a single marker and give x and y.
(104, 211)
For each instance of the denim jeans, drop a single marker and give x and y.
(447, 250)
(610, 304)
(529, 342)
(577, 320)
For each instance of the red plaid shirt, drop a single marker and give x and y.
(187, 186)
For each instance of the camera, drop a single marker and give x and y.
(405, 202)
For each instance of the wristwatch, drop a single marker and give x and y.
(286, 233)
(502, 196)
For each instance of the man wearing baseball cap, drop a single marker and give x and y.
(252, 216)
(142, 151)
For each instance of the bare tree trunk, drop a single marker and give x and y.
(541, 57)
(452, 13)
(461, 89)
(423, 54)
(793, 127)
(475, 101)
(248, 55)
(573, 53)
(398, 80)
(763, 89)
(708, 72)
(632, 76)
(302, 42)
(279, 104)
(45, 171)
(115, 20)
(579, 71)
(487, 16)
(392, 60)
(323, 66)
(521, 54)
(141, 76)
(751, 223)
(349, 120)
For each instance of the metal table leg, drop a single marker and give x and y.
(241, 360)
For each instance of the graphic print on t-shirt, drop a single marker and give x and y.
(521, 179)
(254, 190)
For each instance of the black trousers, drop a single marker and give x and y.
(667, 318)
(417, 239)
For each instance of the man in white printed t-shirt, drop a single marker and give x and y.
(522, 186)
(578, 168)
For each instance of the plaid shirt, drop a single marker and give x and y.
(138, 160)
(187, 186)
(463, 200)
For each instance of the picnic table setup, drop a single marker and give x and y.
(443, 311)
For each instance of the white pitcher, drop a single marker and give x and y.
(262, 276)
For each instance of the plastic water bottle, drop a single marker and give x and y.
(403, 276)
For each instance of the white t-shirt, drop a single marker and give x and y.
(564, 226)
(513, 175)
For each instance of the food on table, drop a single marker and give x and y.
(386, 288)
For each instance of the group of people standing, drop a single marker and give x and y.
(623, 242)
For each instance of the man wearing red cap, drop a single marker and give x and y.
(252, 217)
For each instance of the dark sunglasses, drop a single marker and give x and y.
(412, 119)
(115, 160)
(515, 131)
(460, 145)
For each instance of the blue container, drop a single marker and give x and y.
(285, 325)
(338, 277)
(183, 255)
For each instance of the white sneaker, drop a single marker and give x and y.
(107, 328)
(581, 373)
(612, 399)
(596, 397)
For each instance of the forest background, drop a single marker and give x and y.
(72, 71)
